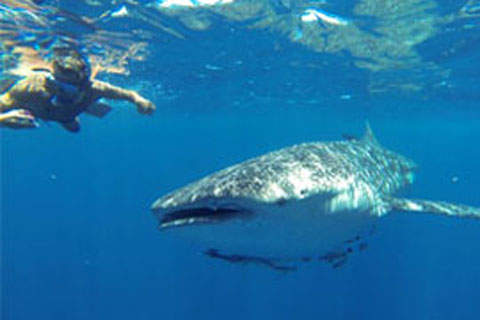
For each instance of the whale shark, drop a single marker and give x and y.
(310, 201)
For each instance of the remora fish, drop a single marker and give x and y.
(308, 201)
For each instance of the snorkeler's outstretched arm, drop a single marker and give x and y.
(108, 91)
(17, 119)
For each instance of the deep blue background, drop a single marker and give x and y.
(85, 246)
(79, 241)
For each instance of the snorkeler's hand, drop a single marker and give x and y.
(145, 106)
(18, 119)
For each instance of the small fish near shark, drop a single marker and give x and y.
(311, 201)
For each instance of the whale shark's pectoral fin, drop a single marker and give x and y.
(241, 259)
(435, 207)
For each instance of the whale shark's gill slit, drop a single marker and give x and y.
(201, 215)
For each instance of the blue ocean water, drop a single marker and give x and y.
(79, 240)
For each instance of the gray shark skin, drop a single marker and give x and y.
(308, 201)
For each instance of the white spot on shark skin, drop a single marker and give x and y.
(216, 192)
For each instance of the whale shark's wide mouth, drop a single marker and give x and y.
(188, 216)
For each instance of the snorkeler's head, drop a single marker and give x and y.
(71, 67)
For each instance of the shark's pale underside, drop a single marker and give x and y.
(305, 202)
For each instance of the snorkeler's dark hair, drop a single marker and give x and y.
(66, 51)
(70, 64)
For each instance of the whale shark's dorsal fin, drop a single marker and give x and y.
(369, 137)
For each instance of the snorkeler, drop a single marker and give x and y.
(62, 94)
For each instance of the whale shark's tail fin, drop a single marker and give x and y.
(435, 207)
